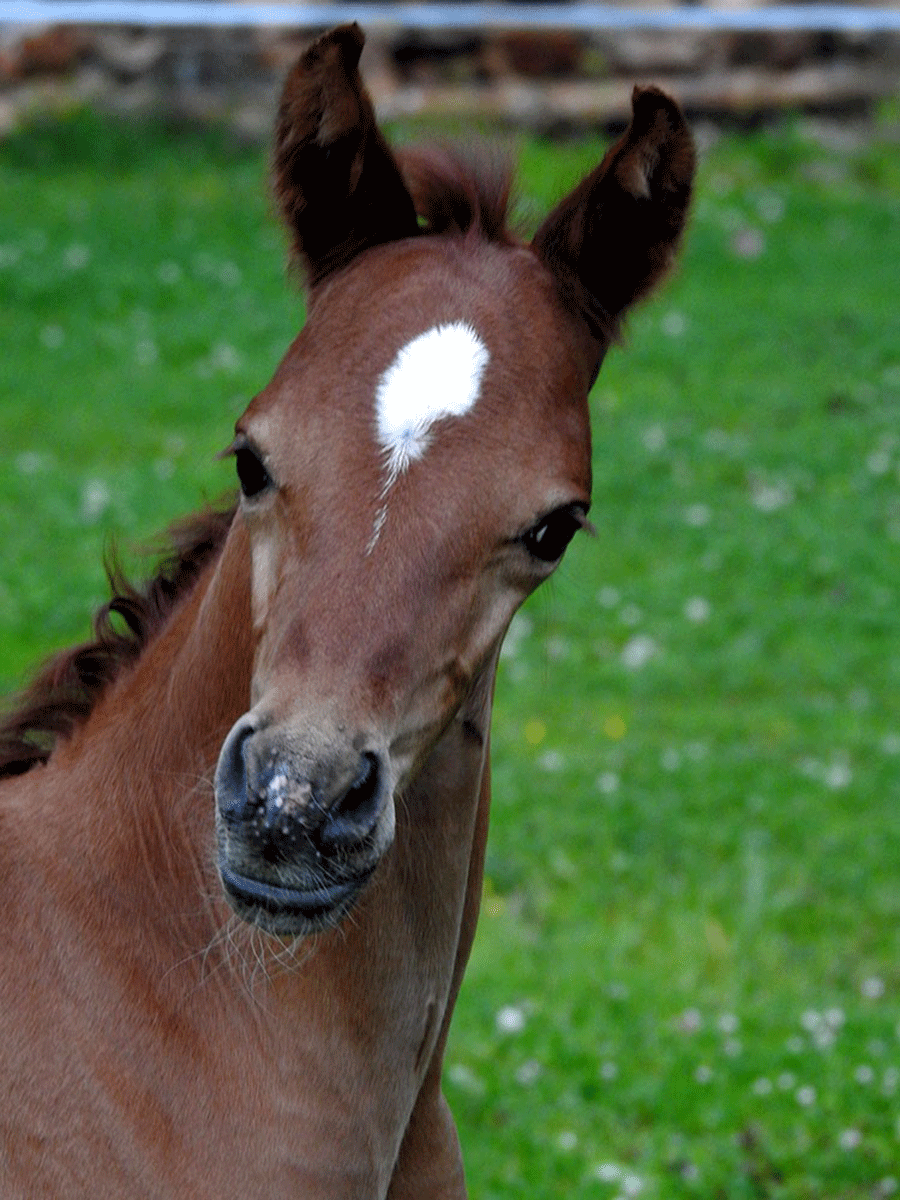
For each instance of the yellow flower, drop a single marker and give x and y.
(614, 727)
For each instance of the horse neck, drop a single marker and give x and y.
(129, 872)
(141, 766)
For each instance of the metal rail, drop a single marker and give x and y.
(837, 18)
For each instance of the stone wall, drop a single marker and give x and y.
(542, 79)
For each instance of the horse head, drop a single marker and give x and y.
(415, 468)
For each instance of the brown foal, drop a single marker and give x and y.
(243, 835)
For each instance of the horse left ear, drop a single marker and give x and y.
(337, 183)
(616, 234)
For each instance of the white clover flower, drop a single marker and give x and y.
(551, 761)
(638, 651)
(225, 357)
(529, 1072)
(690, 1021)
(837, 775)
(230, 274)
(95, 499)
(557, 648)
(769, 496)
(630, 615)
(52, 337)
(849, 1139)
(9, 255)
(771, 207)
(879, 462)
(30, 462)
(607, 1172)
(748, 243)
(697, 515)
(77, 257)
(654, 439)
(697, 610)
(674, 324)
(872, 988)
(521, 627)
(608, 782)
(466, 1079)
(835, 1017)
(146, 353)
(510, 1019)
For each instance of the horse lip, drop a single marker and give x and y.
(288, 905)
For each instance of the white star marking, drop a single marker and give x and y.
(436, 375)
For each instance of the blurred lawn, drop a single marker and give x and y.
(687, 975)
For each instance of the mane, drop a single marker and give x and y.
(456, 191)
(64, 692)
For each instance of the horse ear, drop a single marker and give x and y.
(336, 182)
(616, 234)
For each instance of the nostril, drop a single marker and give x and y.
(351, 817)
(364, 786)
(232, 794)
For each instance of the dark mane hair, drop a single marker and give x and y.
(457, 190)
(65, 690)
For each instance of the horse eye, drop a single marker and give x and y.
(548, 539)
(253, 476)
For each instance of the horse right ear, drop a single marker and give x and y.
(336, 182)
(616, 234)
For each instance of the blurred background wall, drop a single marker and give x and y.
(549, 78)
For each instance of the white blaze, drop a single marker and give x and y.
(436, 375)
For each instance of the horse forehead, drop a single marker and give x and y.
(414, 335)
(392, 295)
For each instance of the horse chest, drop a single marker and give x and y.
(243, 1115)
(309, 1103)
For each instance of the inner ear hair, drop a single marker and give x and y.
(336, 181)
(611, 240)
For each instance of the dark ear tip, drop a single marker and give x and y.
(647, 103)
(658, 122)
(349, 41)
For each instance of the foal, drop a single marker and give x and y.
(324, 658)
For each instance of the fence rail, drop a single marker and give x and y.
(838, 18)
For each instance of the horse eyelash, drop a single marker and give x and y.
(239, 442)
(243, 443)
(580, 513)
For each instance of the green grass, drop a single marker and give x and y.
(687, 973)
